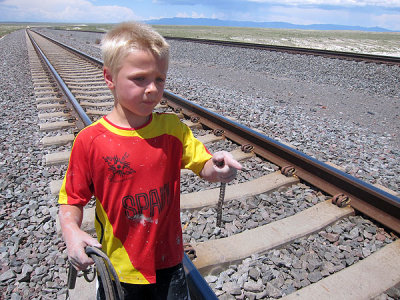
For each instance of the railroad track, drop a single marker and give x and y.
(262, 221)
(364, 57)
(380, 59)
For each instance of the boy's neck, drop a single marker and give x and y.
(124, 120)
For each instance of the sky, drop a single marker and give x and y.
(365, 13)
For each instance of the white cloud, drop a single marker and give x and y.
(304, 16)
(182, 15)
(218, 16)
(307, 16)
(353, 3)
(387, 21)
(193, 15)
(65, 11)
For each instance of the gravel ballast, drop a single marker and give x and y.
(32, 261)
(341, 111)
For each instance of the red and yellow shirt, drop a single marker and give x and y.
(135, 176)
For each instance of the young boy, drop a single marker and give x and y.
(130, 160)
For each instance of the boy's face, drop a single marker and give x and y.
(139, 84)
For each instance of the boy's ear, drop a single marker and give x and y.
(108, 78)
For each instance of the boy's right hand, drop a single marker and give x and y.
(76, 245)
(75, 238)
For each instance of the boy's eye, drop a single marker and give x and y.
(160, 79)
(138, 78)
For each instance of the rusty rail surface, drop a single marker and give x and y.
(371, 201)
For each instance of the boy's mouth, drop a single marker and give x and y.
(148, 102)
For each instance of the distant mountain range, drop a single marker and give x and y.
(283, 25)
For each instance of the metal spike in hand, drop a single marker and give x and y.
(220, 203)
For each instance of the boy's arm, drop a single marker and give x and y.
(70, 217)
(221, 167)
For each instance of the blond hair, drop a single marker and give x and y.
(128, 37)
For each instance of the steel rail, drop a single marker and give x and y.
(298, 50)
(369, 200)
(82, 114)
(199, 288)
(86, 56)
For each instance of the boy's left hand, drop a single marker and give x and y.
(225, 166)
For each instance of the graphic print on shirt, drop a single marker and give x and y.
(119, 169)
(145, 204)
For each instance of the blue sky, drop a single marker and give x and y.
(366, 13)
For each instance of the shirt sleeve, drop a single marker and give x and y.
(194, 154)
(77, 184)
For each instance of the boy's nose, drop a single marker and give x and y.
(151, 87)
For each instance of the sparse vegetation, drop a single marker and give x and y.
(354, 41)
(84, 27)
(6, 28)
(379, 43)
